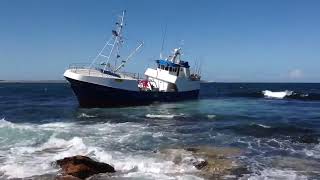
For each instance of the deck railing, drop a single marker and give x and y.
(77, 67)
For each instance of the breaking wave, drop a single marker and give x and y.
(277, 174)
(287, 94)
(291, 95)
(277, 95)
(84, 115)
(30, 149)
(164, 116)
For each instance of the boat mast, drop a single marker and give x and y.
(117, 36)
(114, 41)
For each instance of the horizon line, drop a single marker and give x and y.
(202, 81)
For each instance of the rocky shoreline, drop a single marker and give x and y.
(209, 162)
(212, 162)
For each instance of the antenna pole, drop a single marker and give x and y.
(163, 39)
(100, 53)
(128, 58)
(117, 36)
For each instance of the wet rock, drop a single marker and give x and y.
(82, 167)
(215, 152)
(200, 164)
(213, 162)
(239, 171)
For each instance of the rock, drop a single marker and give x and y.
(214, 152)
(239, 171)
(213, 162)
(200, 164)
(82, 167)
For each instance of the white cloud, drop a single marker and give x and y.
(296, 73)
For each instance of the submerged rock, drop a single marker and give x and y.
(82, 167)
(213, 162)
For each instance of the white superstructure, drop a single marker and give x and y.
(173, 75)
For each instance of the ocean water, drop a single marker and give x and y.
(40, 123)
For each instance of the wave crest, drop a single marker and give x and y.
(163, 116)
(277, 95)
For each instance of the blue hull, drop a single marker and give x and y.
(91, 95)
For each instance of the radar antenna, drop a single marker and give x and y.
(163, 39)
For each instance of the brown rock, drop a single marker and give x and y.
(83, 167)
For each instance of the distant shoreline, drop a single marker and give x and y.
(33, 81)
(202, 82)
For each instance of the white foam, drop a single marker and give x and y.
(276, 174)
(56, 126)
(35, 155)
(211, 116)
(157, 134)
(84, 115)
(151, 165)
(164, 116)
(313, 152)
(277, 95)
(28, 161)
(146, 165)
(8, 124)
(264, 126)
(3, 122)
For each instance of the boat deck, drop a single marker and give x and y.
(98, 73)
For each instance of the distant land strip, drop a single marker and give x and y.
(33, 81)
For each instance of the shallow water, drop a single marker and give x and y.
(41, 123)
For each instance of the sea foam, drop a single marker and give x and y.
(277, 95)
(165, 116)
(84, 115)
(98, 141)
(273, 173)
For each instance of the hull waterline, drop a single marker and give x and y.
(91, 95)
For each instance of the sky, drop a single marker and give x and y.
(234, 41)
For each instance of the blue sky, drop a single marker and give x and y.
(236, 41)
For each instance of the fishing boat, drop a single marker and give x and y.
(106, 84)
